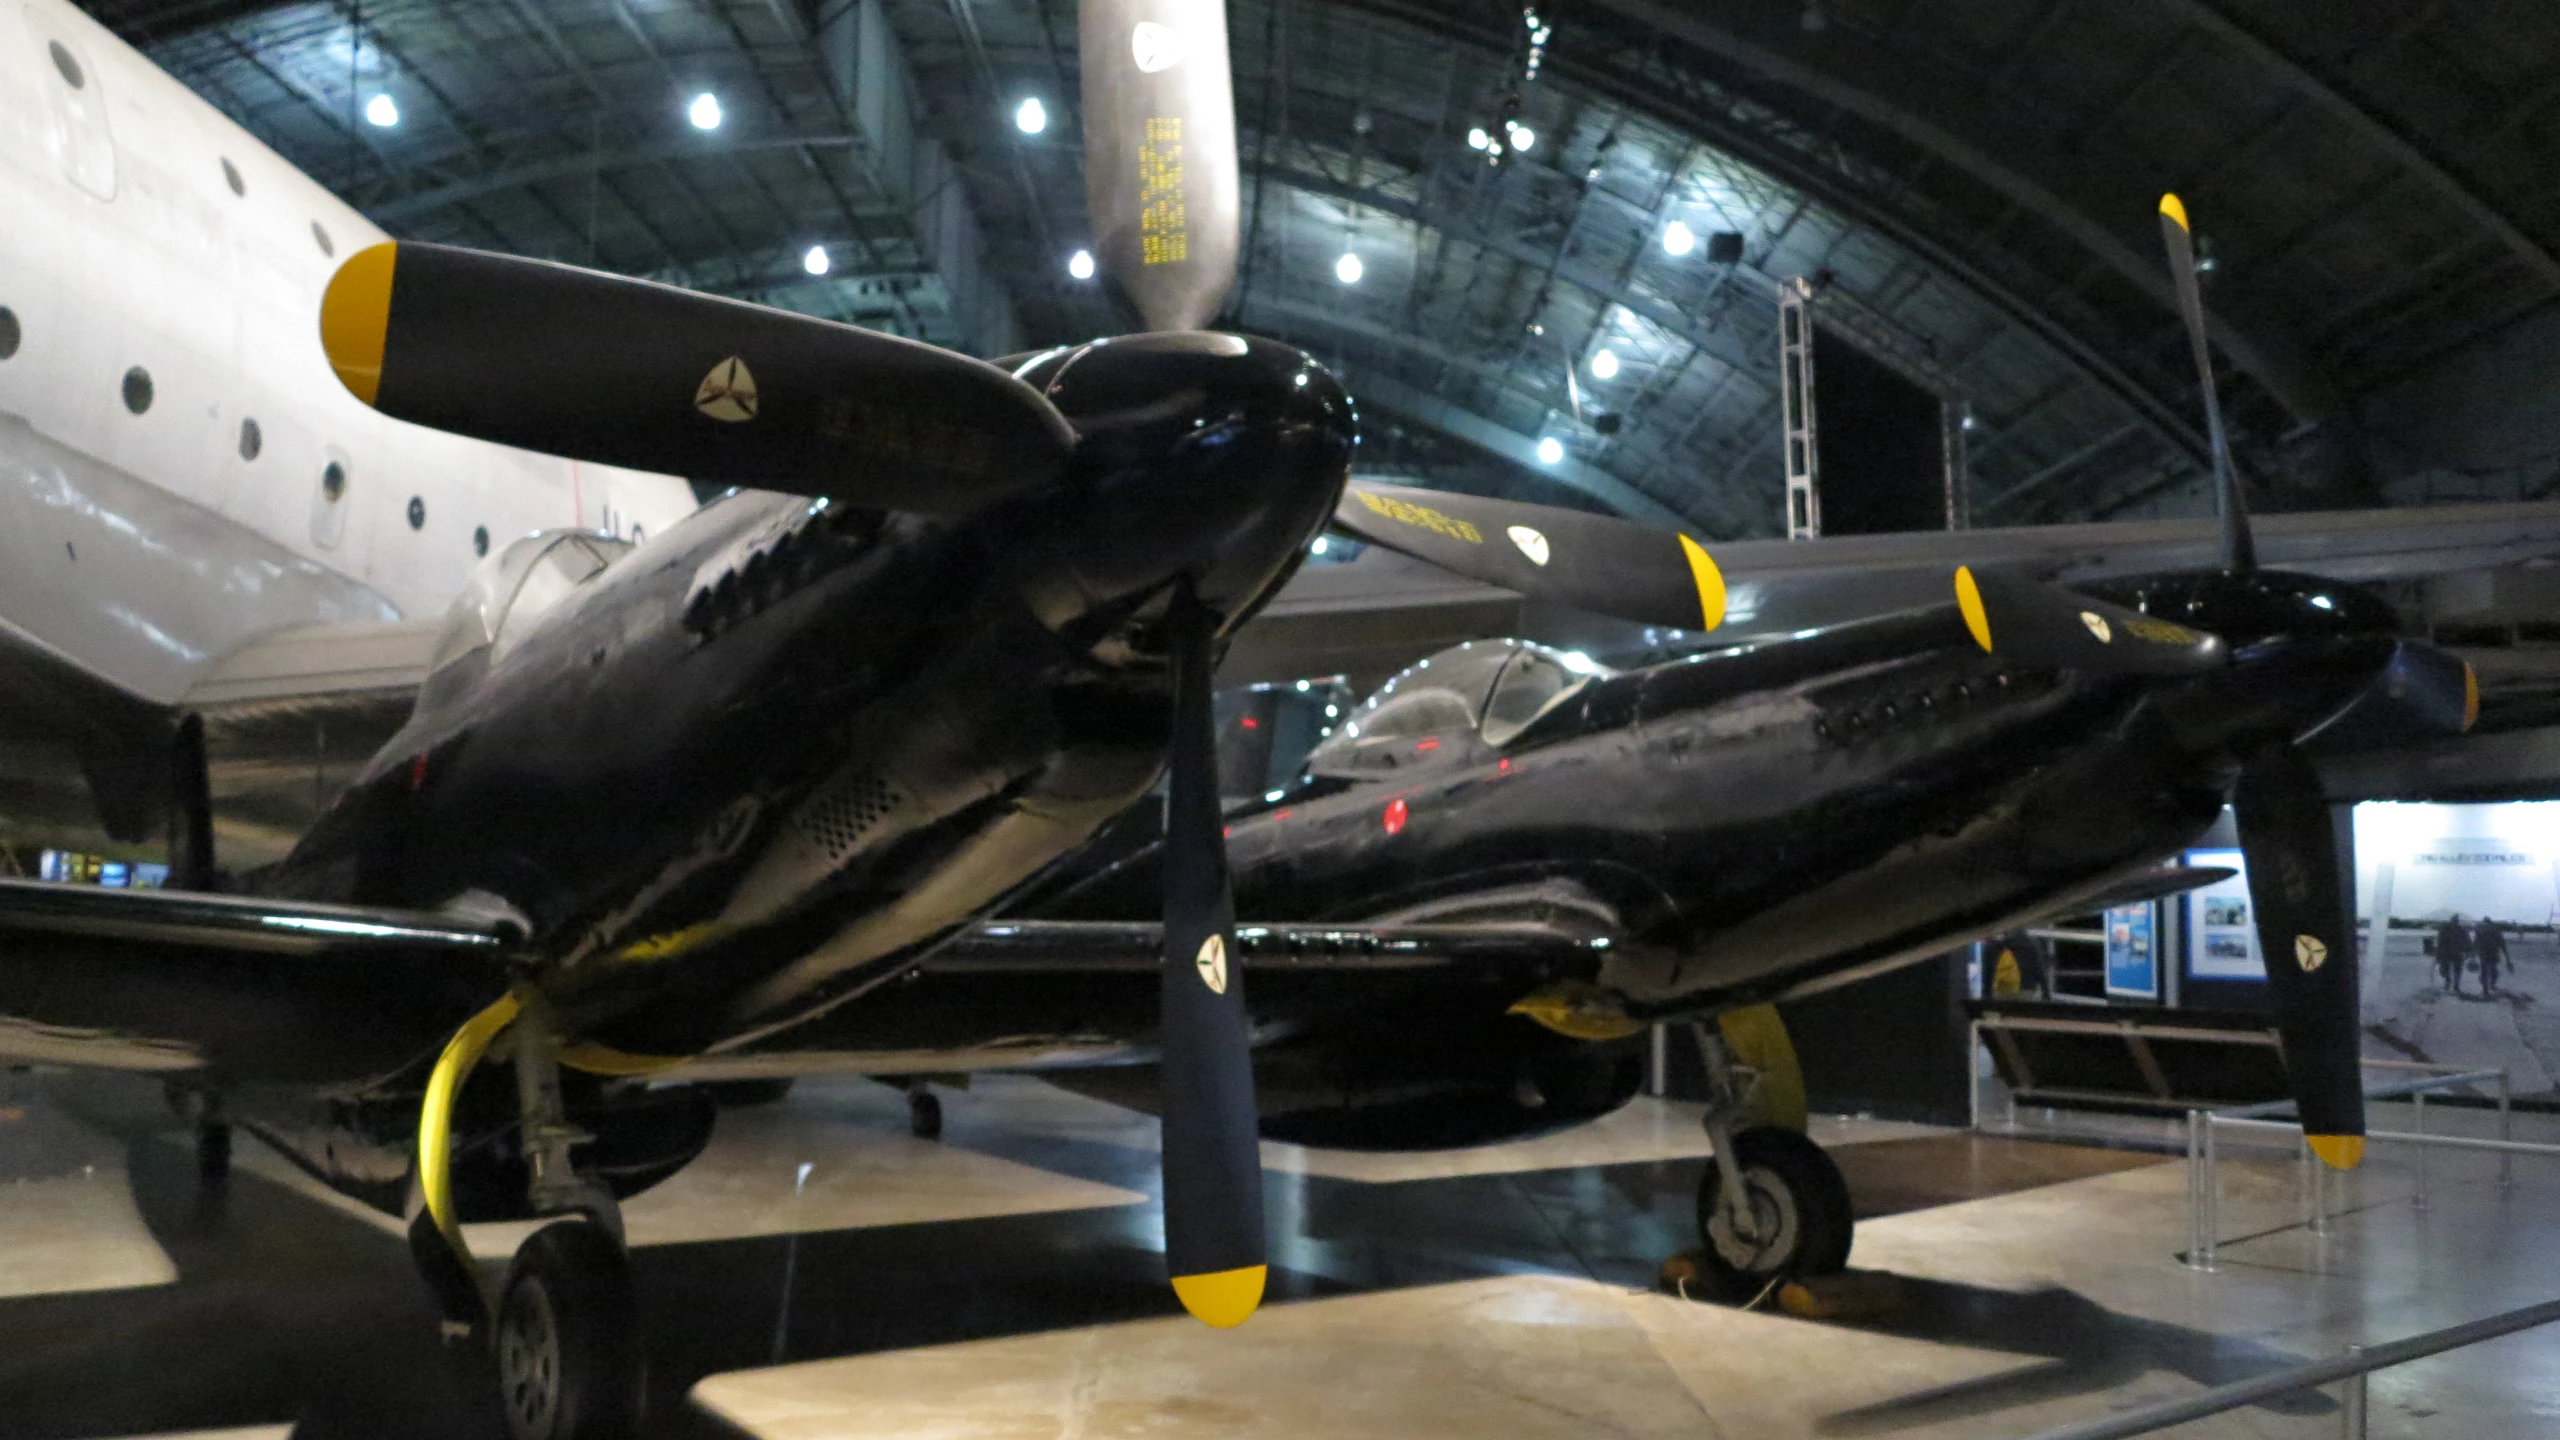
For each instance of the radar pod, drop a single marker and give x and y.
(1213, 1242)
(2046, 627)
(626, 372)
(1607, 566)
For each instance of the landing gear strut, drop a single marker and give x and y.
(563, 1338)
(1772, 1205)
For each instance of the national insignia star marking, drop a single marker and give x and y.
(728, 392)
(2309, 953)
(2097, 624)
(1212, 964)
(1531, 543)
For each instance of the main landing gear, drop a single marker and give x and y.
(1772, 1206)
(562, 1338)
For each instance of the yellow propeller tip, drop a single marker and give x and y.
(1969, 601)
(1709, 579)
(2338, 1152)
(2175, 209)
(355, 318)
(2470, 696)
(1222, 1299)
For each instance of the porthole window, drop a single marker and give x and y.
(251, 442)
(67, 65)
(333, 482)
(480, 540)
(137, 389)
(9, 336)
(417, 512)
(322, 236)
(231, 177)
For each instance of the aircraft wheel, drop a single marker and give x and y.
(213, 1152)
(924, 1114)
(568, 1352)
(1800, 1223)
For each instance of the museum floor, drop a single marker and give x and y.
(1001, 1284)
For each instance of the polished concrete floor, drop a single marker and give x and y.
(1007, 1284)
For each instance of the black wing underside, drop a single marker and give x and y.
(247, 988)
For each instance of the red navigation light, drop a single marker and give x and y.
(1395, 817)
(1431, 744)
(1252, 724)
(1505, 766)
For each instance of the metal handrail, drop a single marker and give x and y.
(2204, 1174)
(2352, 1367)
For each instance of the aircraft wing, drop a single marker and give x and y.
(1085, 946)
(1764, 587)
(263, 988)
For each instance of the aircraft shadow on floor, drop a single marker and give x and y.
(2088, 1348)
(289, 1310)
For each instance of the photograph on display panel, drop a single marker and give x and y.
(2465, 898)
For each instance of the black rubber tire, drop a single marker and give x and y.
(1794, 1187)
(567, 1344)
(213, 1153)
(924, 1114)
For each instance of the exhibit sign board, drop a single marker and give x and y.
(2133, 964)
(2222, 935)
(2461, 963)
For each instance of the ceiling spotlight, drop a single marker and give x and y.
(815, 262)
(1522, 137)
(1550, 450)
(1678, 239)
(383, 111)
(1321, 545)
(1080, 265)
(1348, 269)
(1604, 366)
(1031, 117)
(704, 112)
(1478, 140)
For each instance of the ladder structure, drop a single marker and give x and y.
(1795, 375)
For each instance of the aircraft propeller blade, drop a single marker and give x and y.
(1213, 1241)
(2239, 551)
(626, 372)
(1160, 153)
(2046, 627)
(2301, 859)
(1607, 566)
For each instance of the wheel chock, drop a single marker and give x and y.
(1849, 1295)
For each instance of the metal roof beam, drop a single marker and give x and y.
(1722, 347)
(2273, 360)
(2374, 131)
(1425, 408)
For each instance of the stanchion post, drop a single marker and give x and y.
(2506, 1132)
(2319, 1194)
(2351, 1400)
(2418, 1123)
(2196, 1257)
(2212, 1195)
(1658, 1072)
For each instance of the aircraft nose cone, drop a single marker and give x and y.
(1209, 455)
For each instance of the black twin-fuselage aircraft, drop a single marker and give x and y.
(743, 800)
